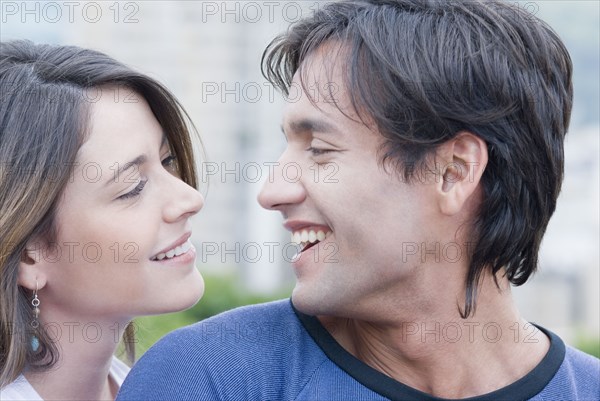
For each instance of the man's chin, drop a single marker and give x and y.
(309, 304)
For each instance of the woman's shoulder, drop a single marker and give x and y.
(19, 390)
(118, 371)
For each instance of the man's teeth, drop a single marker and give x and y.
(179, 250)
(306, 237)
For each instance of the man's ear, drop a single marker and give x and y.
(32, 274)
(464, 159)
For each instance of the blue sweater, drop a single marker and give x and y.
(273, 352)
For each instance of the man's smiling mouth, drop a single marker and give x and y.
(308, 238)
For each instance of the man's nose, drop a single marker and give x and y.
(284, 185)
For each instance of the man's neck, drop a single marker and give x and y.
(443, 354)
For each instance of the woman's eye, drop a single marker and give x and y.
(170, 163)
(135, 191)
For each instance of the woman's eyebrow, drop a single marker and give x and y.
(141, 159)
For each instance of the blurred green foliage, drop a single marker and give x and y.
(588, 344)
(222, 292)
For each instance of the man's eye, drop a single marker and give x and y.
(135, 191)
(318, 151)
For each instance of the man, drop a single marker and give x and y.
(444, 125)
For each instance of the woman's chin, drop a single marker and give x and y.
(184, 297)
(193, 294)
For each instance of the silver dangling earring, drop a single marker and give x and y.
(35, 323)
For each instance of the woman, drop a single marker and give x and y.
(97, 186)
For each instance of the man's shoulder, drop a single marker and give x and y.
(582, 367)
(250, 313)
(235, 330)
(254, 352)
(578, 378)
(264, 312)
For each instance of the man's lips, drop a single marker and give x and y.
(305, 225)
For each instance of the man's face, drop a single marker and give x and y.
(332, 189)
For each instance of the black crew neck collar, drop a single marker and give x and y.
(523, 389)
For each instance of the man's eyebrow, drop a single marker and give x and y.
(115, 176)
(311, 125)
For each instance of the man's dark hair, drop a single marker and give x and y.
(424, 70)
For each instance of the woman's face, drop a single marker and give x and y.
(122, 210)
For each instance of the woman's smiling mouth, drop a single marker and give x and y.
(174, 252)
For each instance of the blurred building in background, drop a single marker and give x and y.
(208, 53)
(564, 293)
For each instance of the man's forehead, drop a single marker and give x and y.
(309, 113)
(326, 64)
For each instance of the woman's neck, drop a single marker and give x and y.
(85, 352)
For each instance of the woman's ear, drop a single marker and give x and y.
(465, 158)
(32, 274)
